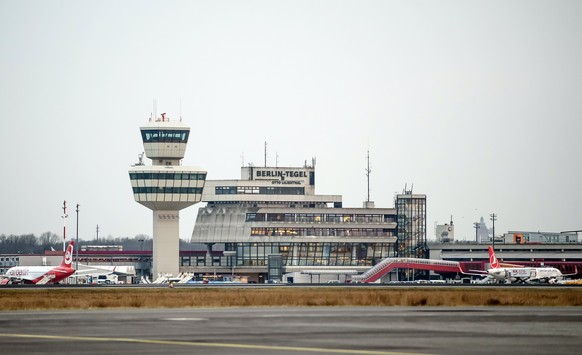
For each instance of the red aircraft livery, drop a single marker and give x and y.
(41, 275)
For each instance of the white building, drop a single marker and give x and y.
(271, 222)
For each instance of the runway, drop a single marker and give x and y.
(286, 330)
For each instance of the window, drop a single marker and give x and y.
(282, 190)
(225, 190)
(167, 190)
(165, 136)
(167, 176)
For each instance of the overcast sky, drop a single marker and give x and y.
(476, 103)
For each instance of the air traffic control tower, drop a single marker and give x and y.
(166, 187)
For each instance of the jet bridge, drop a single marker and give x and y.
(389, 264)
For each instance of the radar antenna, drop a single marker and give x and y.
(139, 160)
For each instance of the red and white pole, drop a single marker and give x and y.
(64, 216)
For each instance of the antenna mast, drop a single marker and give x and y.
(368, 171)
(265, 154)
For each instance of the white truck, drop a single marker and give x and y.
(107, 279)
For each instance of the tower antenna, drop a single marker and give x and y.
(265, 154)
(180, 109)
(368, 171)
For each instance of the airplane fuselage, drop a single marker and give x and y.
(526, 274)
(33, 274)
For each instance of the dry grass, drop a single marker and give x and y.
(15, 299)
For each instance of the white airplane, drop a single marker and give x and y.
(516, 273)
(41, 275)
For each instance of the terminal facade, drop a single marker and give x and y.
(271, 222)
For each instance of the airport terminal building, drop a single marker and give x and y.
(271, 222)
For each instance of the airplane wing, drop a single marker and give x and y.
(106, 270)
(44, 280)
(476, 273)
(502, 264)
(572, 274)
(473, 272)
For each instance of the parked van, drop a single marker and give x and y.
(104, 280)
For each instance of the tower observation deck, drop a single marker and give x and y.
(166, 187)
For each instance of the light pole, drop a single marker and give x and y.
(141, 258)
(493, 218)
(77, 242)
(64, 216)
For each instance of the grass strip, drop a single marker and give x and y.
(29, 299)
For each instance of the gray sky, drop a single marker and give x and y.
(475, 103)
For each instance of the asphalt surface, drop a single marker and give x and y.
(306, 330)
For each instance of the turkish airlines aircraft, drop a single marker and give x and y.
(41, 275)
(516, 273)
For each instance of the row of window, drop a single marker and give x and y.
(8, 263)
(307, 254)
(116, 259)
(322, 232)
(167, 190)
(167, 176)
(318, 217)
(165, 136)
(312, 254)
(269, 190)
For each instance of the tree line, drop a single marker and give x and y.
(31, 244)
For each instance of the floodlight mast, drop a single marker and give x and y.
(64, 217)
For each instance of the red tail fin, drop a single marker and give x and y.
(492, 258)
(68, 257)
